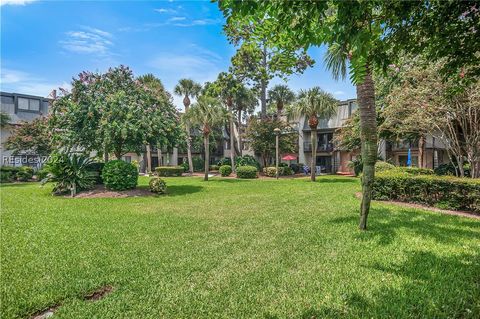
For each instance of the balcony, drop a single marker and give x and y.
(307, 147)
(404, 145)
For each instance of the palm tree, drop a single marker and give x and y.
(188, 89)
(245, 100)
(206, 114)
(281, 95)
(314, 104)
(336, 60)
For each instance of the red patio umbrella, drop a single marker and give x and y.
(289, 157)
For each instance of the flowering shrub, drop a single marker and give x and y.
(157, 185)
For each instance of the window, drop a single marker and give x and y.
(127, 159)
(26, 104)
(402, 160)
(352, 108)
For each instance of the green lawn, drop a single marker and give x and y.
(235, 249)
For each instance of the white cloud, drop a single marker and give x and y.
(198, 22)
(165, 10)
(22, 82)
(177, 19)
(16, 2)
(338, 93)
(88, 41)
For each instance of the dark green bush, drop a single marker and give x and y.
(441, 191)
(247, 172)
(198, 164)
(120, 175)
(166, 171)
(11, 169)
(449, 169)
(356, 165)
(24, 173)
(297, 168)
(96, 168)
(247, 160)
(157, 185)
(225, 170)
(214, 167)
(225, 161)
(6, 177)
(184, 165)
(414, 170)
(41, 174)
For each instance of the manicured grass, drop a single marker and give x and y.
(235, 249)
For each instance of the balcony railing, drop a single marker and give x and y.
(307, 147)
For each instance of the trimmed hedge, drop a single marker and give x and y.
(41, 174)
(247, 172)
(225, 170)
(119, 175)
(24, 173)
(440, 191)
(6, 177)
(381, 166)
(157, 185)
(166, 171)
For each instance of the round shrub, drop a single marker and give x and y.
(119, 175)
(246, 160)
(270, 171)
(225, 170)
(157, 185)
(225, 161)
(383, 166)
(6, 177)
(213, 167)
(247, 172)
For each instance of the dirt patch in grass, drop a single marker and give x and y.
(430, 208)
(101, 192)
(45, 313)
(99, 293)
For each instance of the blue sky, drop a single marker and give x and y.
(45, 43)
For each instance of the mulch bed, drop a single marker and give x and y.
(462, 213)
(101, 192)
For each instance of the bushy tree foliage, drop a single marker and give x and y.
(114, 113)
(31, 138)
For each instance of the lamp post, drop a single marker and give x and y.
(277, 135)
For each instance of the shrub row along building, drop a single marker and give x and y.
(328, 157)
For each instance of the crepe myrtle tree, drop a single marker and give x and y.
(361, 36)
(113, 112)
(206, 114)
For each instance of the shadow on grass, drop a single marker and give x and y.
(179, 190)
(18, 184)
(350, 180)
(431, 286)
(384, 225)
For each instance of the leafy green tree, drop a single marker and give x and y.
(281, 95)
(206, 114)
(188, 89)
(4, 119)
(261, 136)
(112, 112)
(314, 104)
(257, 62)
(362, 35)
(245, 102)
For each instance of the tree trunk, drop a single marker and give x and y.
(263, 85)
(313, 139)
(105, 154)
(159, 155)
(240, 142)
(149, 159)
(421, 151)
(232, 139)
(368, 135)
(73, 190)
(189, 150)
(207, 156)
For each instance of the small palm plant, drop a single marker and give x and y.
(206, 114)
(70, 172)
(188, 89)
(314, 104)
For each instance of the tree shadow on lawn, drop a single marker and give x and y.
(349, 180)
(432, 287)
(384, 225)
(19, 184)
(180, 190)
